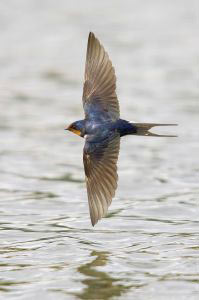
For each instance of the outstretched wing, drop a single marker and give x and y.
(99, 95)
(100, 165)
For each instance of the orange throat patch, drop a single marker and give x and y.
(78, 132)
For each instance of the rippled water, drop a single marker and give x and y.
(148, 246)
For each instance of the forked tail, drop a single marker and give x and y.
(143, 129)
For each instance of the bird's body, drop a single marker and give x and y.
(96, 130)
(102, 129)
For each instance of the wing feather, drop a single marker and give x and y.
(100, 164)
(99, 95)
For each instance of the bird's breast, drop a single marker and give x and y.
(97, 131)
(95, 128)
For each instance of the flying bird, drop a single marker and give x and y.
(102, 129)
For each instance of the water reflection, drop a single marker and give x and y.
(99, 285)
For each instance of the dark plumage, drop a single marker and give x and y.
(102, 129)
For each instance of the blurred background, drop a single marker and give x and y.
(148, 245)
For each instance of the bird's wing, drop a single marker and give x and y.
(100, 165)
(99, 95)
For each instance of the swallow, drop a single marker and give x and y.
(102, 129)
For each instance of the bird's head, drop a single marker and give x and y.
(77, 128)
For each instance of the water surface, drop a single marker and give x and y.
(148, 245)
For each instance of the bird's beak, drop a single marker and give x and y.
(78, 132)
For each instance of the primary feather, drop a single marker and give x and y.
(100, 164)
(99, 94)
